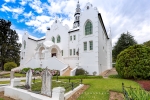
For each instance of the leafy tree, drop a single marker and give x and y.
(9, 48)
(147, 43)
(125, 40)
(134, 62)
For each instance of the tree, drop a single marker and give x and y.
(9, 48)
(134, 62)
(123, 42)
(147, 43)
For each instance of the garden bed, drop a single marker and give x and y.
(145, 84)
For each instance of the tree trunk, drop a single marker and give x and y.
(2, 65)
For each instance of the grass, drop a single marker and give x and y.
(1, 99)
(16, 75)
(4, 82)
(63, 83)
(99, 88)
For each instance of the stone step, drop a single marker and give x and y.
(67, 73)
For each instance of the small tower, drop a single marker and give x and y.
(77, 16)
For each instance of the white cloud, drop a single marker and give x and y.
(10, 1)
(23, 2)
(13, 10)
(37, 6)
(27, 15)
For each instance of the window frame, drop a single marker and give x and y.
(74, 51)
(53, 39)
(85, 46)
(58, 39)
(90, 45)
(88, 28)
(74, 37)
(70, 52)
(70, 38)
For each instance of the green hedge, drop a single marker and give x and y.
(134, 62)
(78, 77)
(9, 65)
(114, 76)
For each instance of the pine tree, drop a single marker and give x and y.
(125, 40)
(9, 48)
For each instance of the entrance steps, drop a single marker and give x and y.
(67, 73)
(108, 72)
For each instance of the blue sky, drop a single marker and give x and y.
(34, 16)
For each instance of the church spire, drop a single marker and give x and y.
(77, 16)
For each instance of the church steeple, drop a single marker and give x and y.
(77, 16)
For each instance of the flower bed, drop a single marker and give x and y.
(145, 84)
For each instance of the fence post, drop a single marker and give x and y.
(72, 85)
(81, 81)
(34, 80)
(57, 78)
(69, 80)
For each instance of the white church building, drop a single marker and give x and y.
(87, 45)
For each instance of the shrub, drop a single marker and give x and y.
(137, 94)
(37, 71)
(134, 62)
(78, 77)
(114, 76)
(81, 71)
(24, 70)
(9, 65)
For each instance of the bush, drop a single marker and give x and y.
(78, 77)
(81, 71)
(24, 70)
(37, 71)
(134, 62)
(9, 65)
(114, 76)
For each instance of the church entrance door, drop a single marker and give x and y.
(53, 54)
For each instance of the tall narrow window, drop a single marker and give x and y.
(74, 37)
(24, 44)
(53, 39)
(88, 28)
(62, 52)
(70, 38)
(91, 45)
(85, 46)
(70, 52)
(74, 52)
(58, 39)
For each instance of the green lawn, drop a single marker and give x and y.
(99, 88)
(16, 75)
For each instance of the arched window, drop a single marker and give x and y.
(88, 28)
(58, 39)
(53, 39)
(24, 44)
